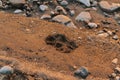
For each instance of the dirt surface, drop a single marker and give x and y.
(22, 41)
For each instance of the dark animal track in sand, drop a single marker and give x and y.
(61, 43)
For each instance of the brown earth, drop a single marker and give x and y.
(22, 44)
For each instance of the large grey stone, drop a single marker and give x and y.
(104, 5)
(6, 70)
(64, 20)
(83, 16)
(61, 19)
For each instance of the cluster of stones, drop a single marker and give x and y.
(60, 12)
(116, 70)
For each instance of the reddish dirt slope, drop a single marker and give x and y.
(22, 40)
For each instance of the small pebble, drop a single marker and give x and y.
(115, 61)
(115, 37)
(117, 78)
(117, 70)
(82, 72)
(113, 75)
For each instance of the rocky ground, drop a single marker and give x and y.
(59, 40)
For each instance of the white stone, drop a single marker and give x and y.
(72, 12)
(18, 11)
(83, 16)
(45, 16)
(92, 25)
(103, 35)
(115, 37)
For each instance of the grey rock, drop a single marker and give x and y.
(59, 0)
(118, 22)
(43, 7)
(117, 16)
(17, 1)
(84, 16)
(104, 5)
(71, 24)
(85, 2)
(1, 4)
(61, 19)
(3, 77)
(64, 3)
(94, 3)
(103, 35)
(106, 14)
(60, 8)
(72, 12)
(92, 25)
(115, 37)
(6, 70)
(64, 20)
(82, 72)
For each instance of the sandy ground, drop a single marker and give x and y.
(23, 39)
